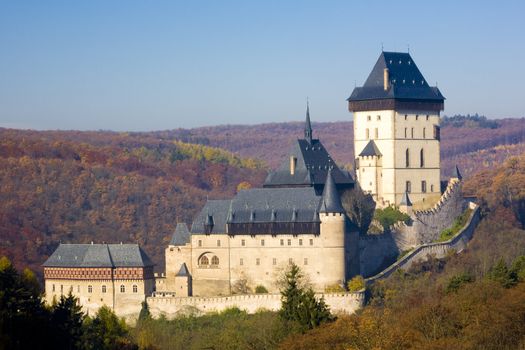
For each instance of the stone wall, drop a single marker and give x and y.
(376, 252)
(170, 306)
(439, 250)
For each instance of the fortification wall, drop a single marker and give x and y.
(376, 252)
(170, 306)
(426, 225)
(439, 250)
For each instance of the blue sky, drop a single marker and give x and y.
(151, 65)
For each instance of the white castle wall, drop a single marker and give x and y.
(171, 306)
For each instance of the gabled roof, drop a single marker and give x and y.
(181, 235)
(370, 150)
(98, 255)
(331, 202)
(183, 271)
(405, 79)
(405, 200)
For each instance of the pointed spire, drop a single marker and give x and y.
(405, 200)
(331, 203)
(456, 174)
(308, 124)
(183, 271)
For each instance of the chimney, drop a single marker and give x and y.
(386, 79)
(293, 163)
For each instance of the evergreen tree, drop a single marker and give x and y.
(106, 331)
(144, 312)
(67, 319)
(501, 274)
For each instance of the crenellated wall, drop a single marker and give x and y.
(171, 306)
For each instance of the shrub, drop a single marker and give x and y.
(389, 216)
(261, 289)
(334, 288)
(458, 224)
(356, 284)
(455, 282)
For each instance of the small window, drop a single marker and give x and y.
(204, 260)
(417, 116)
(215, 260)
(421, 158)
(378, 117)
(103, 289)
(122, 288)
(406, 135)
(431, 188)
(243, 242)
(428, 117)
(53, 287)
(412, 133)
(408, 186)
(406, 116)
(437, 133)
(218, 243)
(241, 262)
(311, 241)
(423, 186)
(289, 242)
(262, 242)
(407, 158)
(90, 289)
(78, 289)
(424, 133)
(135, 289)
(282, 241)
(367, 134)
(305, 261)
(369, 118)
(290, 261)
(274, 261)
(200, 243)
(376, 133)
(257, 261)
(61, 288)
(300, 242)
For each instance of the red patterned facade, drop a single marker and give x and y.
(98, 273)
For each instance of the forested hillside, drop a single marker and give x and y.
(103, 186)
(470, 141)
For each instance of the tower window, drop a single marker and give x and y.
(431, 188)
(200, 243)
(424, 133)
(215, 260)
(421, 158)
(243, 242)
(274, 261)
(262, 242)
(406, 133)
(289, 242)
(53, 287)
(367, 134)
(407, 158)
(417, 116)
(300, 242)
(378, 117)
(423, 186)
(428, 117)
(305, 261)
(90, 289)
(437, 133)
(406, 116)
(412, 132)
(241, 262)
(368, 118)
(408, 186)
(282, 241)
(218, 243)
(376, 133)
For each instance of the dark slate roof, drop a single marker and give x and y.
(183, 271)
(405, 200)
(370, 150)
(406, 81)
(313, 162)
(98, 255)
(181, 235)
(456, 174)
(219, 210)
(308, 135)
(331, 202)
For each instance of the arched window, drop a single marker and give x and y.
(122, 288)
(215, 260)
(90, 289)
(103, 289)
(407, 158)
(135, 288)
(421, 158)
(204, 260)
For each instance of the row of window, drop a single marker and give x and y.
(369, 118)
(204, 260)
(424, 133)
(262, 242)
(408, 187)
(103, 288)
(274, 261)
(421, 158)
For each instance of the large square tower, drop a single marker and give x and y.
(396, 133)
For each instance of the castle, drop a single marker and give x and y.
(238, 245)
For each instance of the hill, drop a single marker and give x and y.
(462, 138)
(71, 186)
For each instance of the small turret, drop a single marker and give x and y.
(405, 205)
(331, 202)
(308, 125)
(456, 175)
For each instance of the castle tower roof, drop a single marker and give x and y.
(456, 174)
(308, 125)
(181, 235)
(331, 202)
(405, 200)
(183, 271)
(397, 81)
(370, 150)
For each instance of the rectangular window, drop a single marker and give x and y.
(243, 242)
(423, 186)
(311, 241)
(103, 289)
(437, 133)
(428, 116)
(241, 262)
(289, 242)
(300, 242)
(218, 243)
(262, 242)
(406, 117)
(257, 261)
(367, 134)
(306, 261)
(274, 261)
(408, 186)
(376, 133)
(378, 117)
(412, 133)
(368, 118)
(200, 243)
(78, 289)
(282, 241)
(406, 133)
(53, 287)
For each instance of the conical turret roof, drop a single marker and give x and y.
(308, 126)
(405, 200)
(330, 202)
(456, 174)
